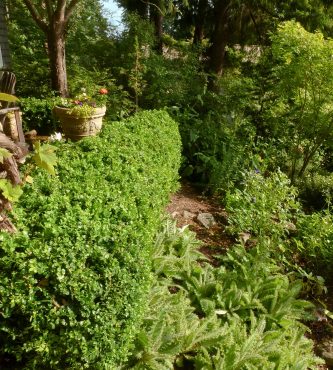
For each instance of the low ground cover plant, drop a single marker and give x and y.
(74, 278)
(227, 317)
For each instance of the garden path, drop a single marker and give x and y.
(189, 203)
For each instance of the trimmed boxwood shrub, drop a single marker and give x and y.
(74, 279)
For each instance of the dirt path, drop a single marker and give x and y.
(187, 207)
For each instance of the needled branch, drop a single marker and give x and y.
(35, 15)
(268, 11)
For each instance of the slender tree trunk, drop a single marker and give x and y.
(219, 38)
(157, 20)
(57, 57)
(200, 22)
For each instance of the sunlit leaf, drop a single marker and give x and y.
(4, 154)
(45, 157)
(29, 180)
(9, 191)
(8, 97)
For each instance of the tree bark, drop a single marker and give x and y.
(157, 20)
(52, 18)
(219, 38)
(200, 20)
(57, 58)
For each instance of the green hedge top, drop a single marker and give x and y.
(73, 281)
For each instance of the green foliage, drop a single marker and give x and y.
(89, 39)
(117, 100)
(317, 189)
(229, 317)
(315, 239)
(304, 88)
(217, 134)
(175, 79)
(45, 157)
(37, 115)
(265, 206)
(28, 56)
(136, 80)
(9, 191)
(74, 279)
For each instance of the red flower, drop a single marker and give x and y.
(103, 91)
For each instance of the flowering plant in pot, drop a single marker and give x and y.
(82, 115)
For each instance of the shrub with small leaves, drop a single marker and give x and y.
(37, 115)
(74, 278)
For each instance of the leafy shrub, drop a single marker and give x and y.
(315, 239)
(317, 189)
(302, 107)
(217, 134)
(74, 279)
(230, 317)
(173, 80)
(264, 206)
(37, 115)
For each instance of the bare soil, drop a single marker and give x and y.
(187, 204)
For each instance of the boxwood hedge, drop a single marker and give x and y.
(74, 279)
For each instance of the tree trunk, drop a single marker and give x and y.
(56, 51)
(219, 39)
(200, 22)
(157, 19)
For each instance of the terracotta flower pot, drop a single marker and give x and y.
(75, 127)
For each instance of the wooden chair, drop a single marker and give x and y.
(7, 85)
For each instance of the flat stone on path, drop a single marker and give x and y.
(188, 215)
(206, 219)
